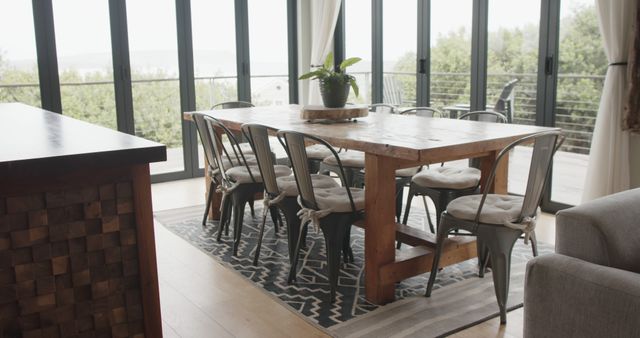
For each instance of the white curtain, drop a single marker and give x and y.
(608, 171)
(324, 15)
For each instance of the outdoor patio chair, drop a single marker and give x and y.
(499, 220)
(230, 157)
(333, 210)
(505, 103)
(238, 184)
(443, 184)
(279, 192)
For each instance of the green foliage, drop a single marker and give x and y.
(326, 72)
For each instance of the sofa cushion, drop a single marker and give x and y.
(604, 231)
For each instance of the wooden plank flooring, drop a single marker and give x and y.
(201, 298)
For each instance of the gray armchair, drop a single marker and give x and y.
(591, 286)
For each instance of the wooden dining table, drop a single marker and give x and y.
(393, 142)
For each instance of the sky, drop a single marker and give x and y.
(82, 26)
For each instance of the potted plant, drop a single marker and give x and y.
(334, 83)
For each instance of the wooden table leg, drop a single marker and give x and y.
(499, 185)
(380, 230)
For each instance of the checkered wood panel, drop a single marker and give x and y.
(69, 264)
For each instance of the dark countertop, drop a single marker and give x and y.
(35, 138)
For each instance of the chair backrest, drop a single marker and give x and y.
(215, 129)
(382, 108)
(207, 142)
(258, 136)
(232, 104)
(423, 111)
(294, 144)
(506, 100)
(391, 90)
(484, 116)
(545, 145)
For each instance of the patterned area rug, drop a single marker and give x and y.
(309, 295)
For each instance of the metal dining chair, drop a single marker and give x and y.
(238, 184)
(280, 192)
(230, 156)
(499, 220)
(232, 104)
(442, 184)
(333, 210)
(423, 111)
(383, 108)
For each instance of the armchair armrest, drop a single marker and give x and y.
(568, 297)
(604, 231)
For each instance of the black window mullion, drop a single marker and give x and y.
(479, 54)
(121, 66)
(292, 36)
(243, 58)
(423, 66)
(187, 84)
(47, 57)
(376, 52)
(338, 38)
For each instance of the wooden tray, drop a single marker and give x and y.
(316, 113)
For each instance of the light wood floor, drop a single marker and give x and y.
(200, 298)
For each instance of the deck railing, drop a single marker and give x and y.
(577, 98)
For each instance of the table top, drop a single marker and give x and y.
(414, 138)
(33, 137)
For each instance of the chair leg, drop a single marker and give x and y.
(212, 191)
(534, 244)
(500, 242)
(399, 191)
(483, 257)
(334, 238)
(253, 211)
(426, 209)
(238, 210)
(296, 256)
(442, 235)
(274, 218)
(227, 221)
(255, 259)
(225, 216)
(347, 253)
(407, 208)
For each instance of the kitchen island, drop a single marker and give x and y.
(77, 250)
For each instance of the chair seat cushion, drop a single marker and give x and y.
(240, 174)
(496, 209)
(447, 178)
(245, 147)
(318, 152)
(337, 199)
(407, 172)
(353, 159)
(251, 160)
(288, 183)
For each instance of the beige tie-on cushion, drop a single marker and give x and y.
(353, 159)
(496, 209)
(337, 199)
(244, 147)
(251, 160)
(318, 152)
(407, 172)
(447, 178)
(240, 174)
(287, 184)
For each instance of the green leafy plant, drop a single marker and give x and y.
(327, 73)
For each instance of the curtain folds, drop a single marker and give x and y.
(632, 110)
(608, 171)
(324, 16)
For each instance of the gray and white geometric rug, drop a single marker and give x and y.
(309, 295)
